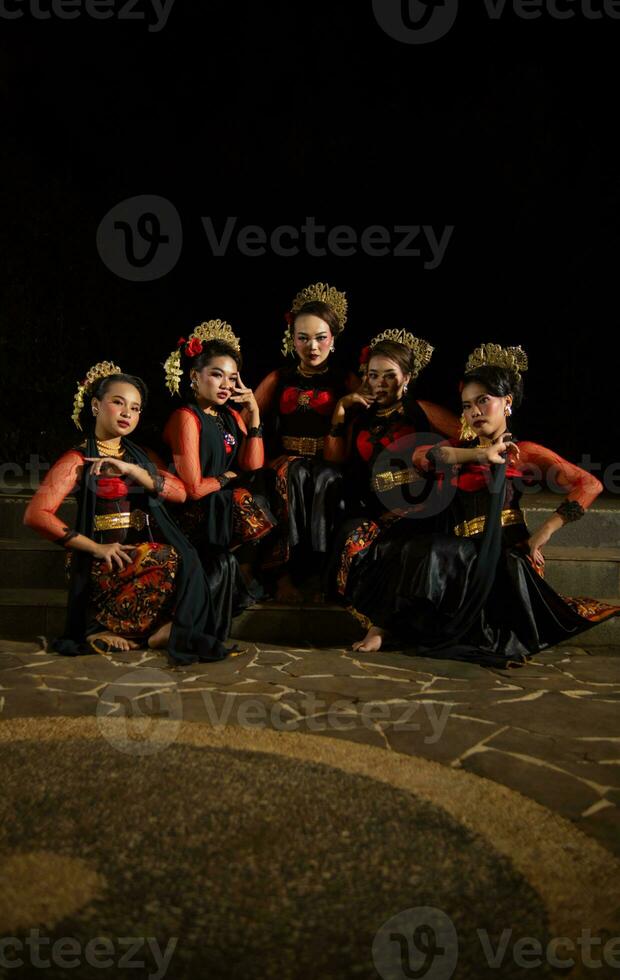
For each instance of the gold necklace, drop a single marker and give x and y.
(311, 374)
(383, 412)
(115, 452)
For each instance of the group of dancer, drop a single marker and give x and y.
(321, 481)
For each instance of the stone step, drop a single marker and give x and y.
(28, 613)
(13, 506)
(31, 563)
(583, 571)
(598, 528)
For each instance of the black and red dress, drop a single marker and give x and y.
(165, 580)
(297, 409)
(220, 513)
(377, 448)
(472, 591)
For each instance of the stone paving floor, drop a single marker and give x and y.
(548, 730)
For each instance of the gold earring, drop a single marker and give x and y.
(508, 410)
(467, 433)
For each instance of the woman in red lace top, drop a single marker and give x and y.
(297, 402)
(217, 455)
(134, 577)
(375, 432)
(477, 590)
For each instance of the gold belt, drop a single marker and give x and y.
(305, 445)
(385, 481)
(476, 526)
(136, 519)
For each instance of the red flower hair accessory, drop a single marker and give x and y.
(194, 347)
(364, 355)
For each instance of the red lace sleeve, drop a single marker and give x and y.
(61, 481)
(442, 420)
(252, 450)
(558, 475)
(171, 488)
(265, 394)
(421, 458)
(182, 435)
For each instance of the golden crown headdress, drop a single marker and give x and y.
(320, 292)
(102, 370)
(421, 349)
(192, 346)
(512, 358)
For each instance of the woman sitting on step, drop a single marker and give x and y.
(134, 578)
(297, 401)
(477, 591)
(373, 431)
(215, 453)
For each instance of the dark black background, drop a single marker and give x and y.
(275, 111)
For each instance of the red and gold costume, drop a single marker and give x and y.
(133, 601)
(378, 447)
(204, 446)
(297, 407)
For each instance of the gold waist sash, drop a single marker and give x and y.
(304, 445)
(136, 519)
(476, 526)
(386, 481)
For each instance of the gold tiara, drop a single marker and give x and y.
(320, 292)
(492, 355)
(209, 330)
(102, 370)
(421, 349)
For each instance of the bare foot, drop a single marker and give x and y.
(105, 642)
(286, 592)
(372, 641)
(159, 639)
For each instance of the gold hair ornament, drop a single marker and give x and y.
(320, 292)
(511, 358)
(102, 370)
(209, 330)
(421, 349)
